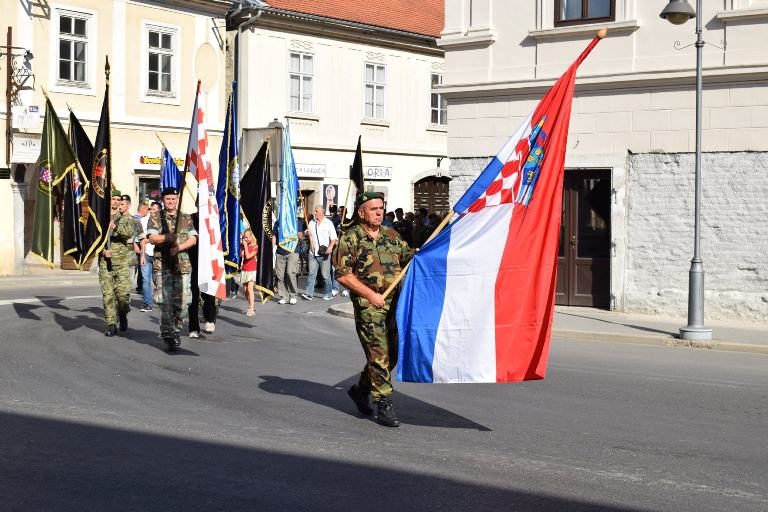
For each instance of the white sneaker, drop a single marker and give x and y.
(194, 334)
(281, 301)
(209, 327)
(345, 293)
(293, 300)
(305, 296)
(334, 292)
(327, 297)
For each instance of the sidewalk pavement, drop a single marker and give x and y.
(42, 275)
(588, 324)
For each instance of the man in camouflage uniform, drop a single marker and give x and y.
(171, 266)
(114, 264)
(368, 259)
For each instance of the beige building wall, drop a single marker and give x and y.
(405, 143)
(117, 29)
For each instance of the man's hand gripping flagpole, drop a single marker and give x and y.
(401, 275)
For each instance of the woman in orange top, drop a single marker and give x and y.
(249, 252)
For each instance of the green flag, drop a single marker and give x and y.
(55, 161)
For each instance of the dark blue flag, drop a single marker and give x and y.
(228, 189)
(170, 176)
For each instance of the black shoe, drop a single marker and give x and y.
(386, 413)
(123, 322)
(111, 331)
(361, 400)
(170, 342)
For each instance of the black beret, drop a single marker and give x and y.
(367, 196)
(125, 197)
(170, 190)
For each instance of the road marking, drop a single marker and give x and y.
(32, 300)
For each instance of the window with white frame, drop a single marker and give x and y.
(161, 43)
(73, 48)
(300, 78)
(438, 104)
(375, 89)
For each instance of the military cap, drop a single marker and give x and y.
(169, 190)
(367, 196)
(125, 197)
(116, 193)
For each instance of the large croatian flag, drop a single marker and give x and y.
(478, 301)
(210, 256)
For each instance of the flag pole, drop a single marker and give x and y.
(401, 275)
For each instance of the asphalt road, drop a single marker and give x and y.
(255, 417)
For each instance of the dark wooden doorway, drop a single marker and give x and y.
(584, 262)
(432, 193)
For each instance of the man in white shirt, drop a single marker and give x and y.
(146, 258)
(322, 239)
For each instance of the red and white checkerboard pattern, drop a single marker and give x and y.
(502, 189)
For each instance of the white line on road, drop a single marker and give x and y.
(32, 300)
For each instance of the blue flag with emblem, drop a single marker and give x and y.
(228, 188)
(289, 182)
(170, 176)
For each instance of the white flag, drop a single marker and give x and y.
(210, 257)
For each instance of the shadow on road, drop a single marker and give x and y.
(411, 411)
(63, 466)
(633, 326)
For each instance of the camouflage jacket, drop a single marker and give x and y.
(186, 230)
(121, 240)
(374, 262)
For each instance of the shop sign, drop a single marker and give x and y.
(378, 173)
(26, 147)
(147, 161)
(310, 170)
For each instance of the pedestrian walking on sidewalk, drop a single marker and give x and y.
(286, 266)
(147, 259)
(367, 261)
(322, 239)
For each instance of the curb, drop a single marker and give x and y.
(51, 280)
(635, 339)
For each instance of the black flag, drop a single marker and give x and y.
(355, 178)
(356, 171)
(255, 195)
(73, 220)
(100, 189)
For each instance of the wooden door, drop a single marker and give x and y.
(432, 193)
(584, 270)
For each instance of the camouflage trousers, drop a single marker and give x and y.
(173, 293)
(377, 330)
(115, 290)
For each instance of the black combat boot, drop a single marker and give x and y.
(361, 400)
(111, 330)
(123, 318)
(170, 343)
(386, 413)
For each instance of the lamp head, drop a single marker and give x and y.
(678, 12)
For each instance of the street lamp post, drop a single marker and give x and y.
(678, 12)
